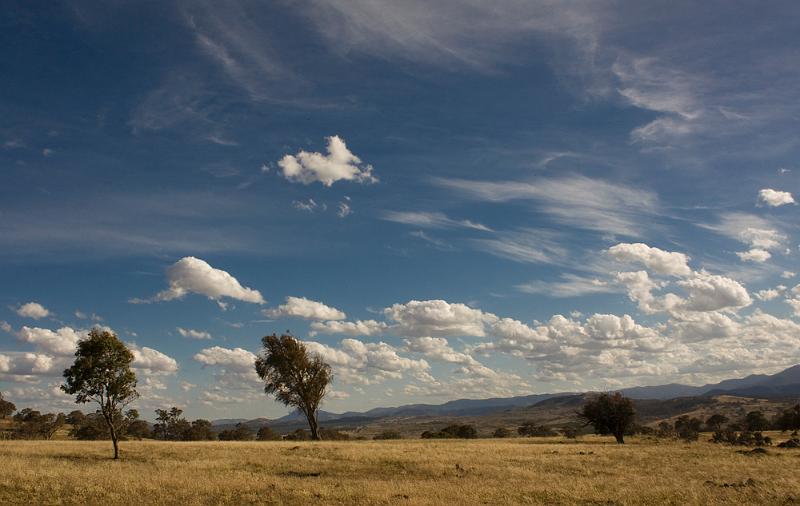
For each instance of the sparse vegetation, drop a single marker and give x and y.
(531, 429)
(413, 472)
(454, 431)
(388, 434)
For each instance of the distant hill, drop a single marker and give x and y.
(652, 403)
(783, 384)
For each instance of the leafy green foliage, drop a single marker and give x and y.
(294, 376)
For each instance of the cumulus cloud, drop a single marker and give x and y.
(749, 229)
(756, 255)
(193, 334)
(709, 292)
(657, 260)
(236, 360)
(365, 363)
(770, 293)
(192, 275)
(152, 361)
(63, 341)
(356, 328)
(32, 310)
(436, 318)
(301, 307)
(775, 198)
(338, 165)
(20, 366)
(795, 304)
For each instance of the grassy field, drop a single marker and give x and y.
(516, 471)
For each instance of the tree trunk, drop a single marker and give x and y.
(312, 424)
(620, 436)
(113, 437)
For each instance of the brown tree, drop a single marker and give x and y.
(294, 376)
(102, 374)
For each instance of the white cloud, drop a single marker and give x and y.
(32, 310)
(581, 202)
(754, 255)
(657, 260)
(344, 210)
(571, 285)
(795, 304)
(358, 362)
(436, 318)
(301, 307)
(236, 360)
(309, 205)
(709, 292)
(788, 274)
(192, 275)
(338, 165)
(63, 341)
(19, 366)
(431, 220)
(749, 229)
(151, 360)
(775, 198)
(357, 328)
(770, 293)
(526, 246)
(193, 334)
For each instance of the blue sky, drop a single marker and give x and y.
(443, 200)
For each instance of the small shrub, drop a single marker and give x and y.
(532, 430)
(502, 432)
(388, 434)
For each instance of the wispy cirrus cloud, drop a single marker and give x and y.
(577, 201)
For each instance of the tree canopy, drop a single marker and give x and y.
(102, 373)
(609, 414)
(6, 407)
(294, 376)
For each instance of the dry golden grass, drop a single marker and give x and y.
(516, 471)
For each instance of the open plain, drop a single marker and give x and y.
(591, 470)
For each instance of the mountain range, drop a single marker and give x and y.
(656, 400)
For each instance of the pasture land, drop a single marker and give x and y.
(591, 470)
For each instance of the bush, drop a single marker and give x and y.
(502, 432)
(240, 433)
(532, 430)
(687, 428)
(298, 435)
(266, 433)
(388, 434)
(452, 432)
(333, 435)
